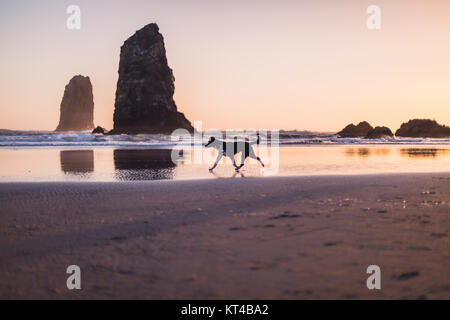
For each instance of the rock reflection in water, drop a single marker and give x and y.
(366, 152)
(143, 164)
(77, 161)
(423, 152)
(361, 152)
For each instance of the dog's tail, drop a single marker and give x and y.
(257, 140)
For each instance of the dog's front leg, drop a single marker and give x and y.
(234, 163)
(243, 157)
(219, 156)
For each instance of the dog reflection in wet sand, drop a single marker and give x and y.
(230, 149)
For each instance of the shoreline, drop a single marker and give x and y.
(309, 237)
(131, 164)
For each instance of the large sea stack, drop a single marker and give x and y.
(423, 128)
(144, 95)
(77, 106)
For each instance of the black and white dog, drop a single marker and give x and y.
(230, 149)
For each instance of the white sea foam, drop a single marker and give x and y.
(49, 138)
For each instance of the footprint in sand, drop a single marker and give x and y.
(331, 243)
(407, 275)
(261, 266)
(236, 229)
(119, 238)
(286, 215)
(438, 235)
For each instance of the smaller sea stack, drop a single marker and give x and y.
(77, 106)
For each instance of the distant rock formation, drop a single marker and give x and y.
(5, 131)
(144, 95)
(423, 128)
(99, 130)
(352, 131)
(365, 130)
(379, 132)
(77, 106)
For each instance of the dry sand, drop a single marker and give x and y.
(282, 238)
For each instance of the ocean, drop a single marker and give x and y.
(10, 138)
(81, 156)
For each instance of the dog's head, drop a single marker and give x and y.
(211, 140)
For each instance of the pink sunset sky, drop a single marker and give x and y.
(306, 65)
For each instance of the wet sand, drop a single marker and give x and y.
(242, 238)
(112, 164)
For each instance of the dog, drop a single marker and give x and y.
(230, 149)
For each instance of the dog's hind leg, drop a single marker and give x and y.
(259, 159)
(219, 156)
(254, 156)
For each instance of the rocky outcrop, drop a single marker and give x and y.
(365, 130)
(99, 130)
(423, 128)
(379, 133)
(77, 106)
(144, 95)
(352, 131)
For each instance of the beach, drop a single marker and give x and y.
(243, 150)
(309, 237)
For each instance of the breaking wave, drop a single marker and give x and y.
(49, 138)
